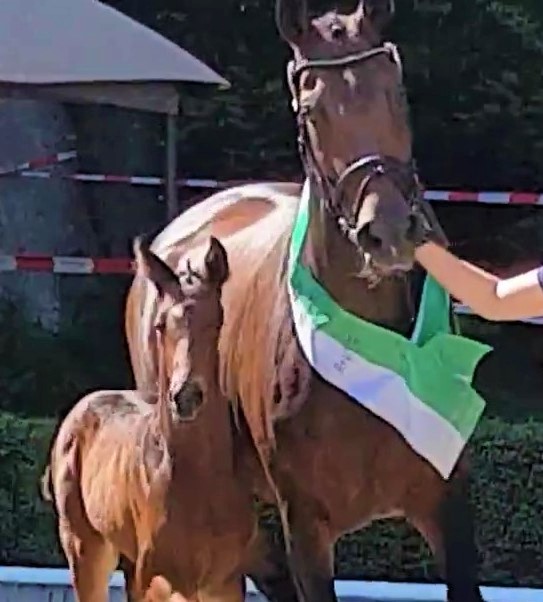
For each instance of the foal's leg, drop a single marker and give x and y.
(448, 527)
(92, 560)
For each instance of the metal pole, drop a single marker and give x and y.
(171, 167)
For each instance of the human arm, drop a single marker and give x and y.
(487, 295)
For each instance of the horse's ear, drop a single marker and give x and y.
(216, 262)
(152, 267)
(379, 12)
(292, 20)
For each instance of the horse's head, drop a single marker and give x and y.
(188, 323)
(353, 130)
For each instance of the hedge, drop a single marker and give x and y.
(507, 492)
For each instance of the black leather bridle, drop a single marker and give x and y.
(402, 175)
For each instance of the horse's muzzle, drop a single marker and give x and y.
(386, 248)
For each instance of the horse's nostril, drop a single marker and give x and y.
(188, 399)
(368, 239)
(415, 227)
(375, 241)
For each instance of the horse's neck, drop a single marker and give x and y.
(335, 264)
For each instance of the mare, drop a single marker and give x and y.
(331, 466)
(156, 483)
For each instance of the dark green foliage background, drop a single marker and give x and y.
(507, 493)
(472, 71)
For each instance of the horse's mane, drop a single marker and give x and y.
(258, 332)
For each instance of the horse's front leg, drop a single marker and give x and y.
(311, 557)
(444, 517)
(269, 568)
(458, 528)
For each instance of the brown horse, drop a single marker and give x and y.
(157, 482)
(332, 466)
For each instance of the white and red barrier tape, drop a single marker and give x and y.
(65, 264)
(106, 265)
(110, 265)
(30, 169)
(41, 162)
(488, 198)
(450, 196)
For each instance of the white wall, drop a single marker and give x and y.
(21, 584)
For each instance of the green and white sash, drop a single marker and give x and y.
(421, 386)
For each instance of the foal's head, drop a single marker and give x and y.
(188, 323)
(353, 127)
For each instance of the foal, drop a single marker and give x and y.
(155, 482)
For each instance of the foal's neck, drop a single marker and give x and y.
(203, 443)
(334, 262)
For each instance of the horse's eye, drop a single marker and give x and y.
(337, 31)
(306, 110)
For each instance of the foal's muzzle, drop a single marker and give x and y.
(188, 400)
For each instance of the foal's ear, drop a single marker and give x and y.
(152, 267)
(379, 12)
(292, 20)
(216, 262)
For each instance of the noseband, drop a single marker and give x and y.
(402, 175)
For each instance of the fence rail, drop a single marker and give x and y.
(18, 583)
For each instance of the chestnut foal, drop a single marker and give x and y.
(154, 480)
